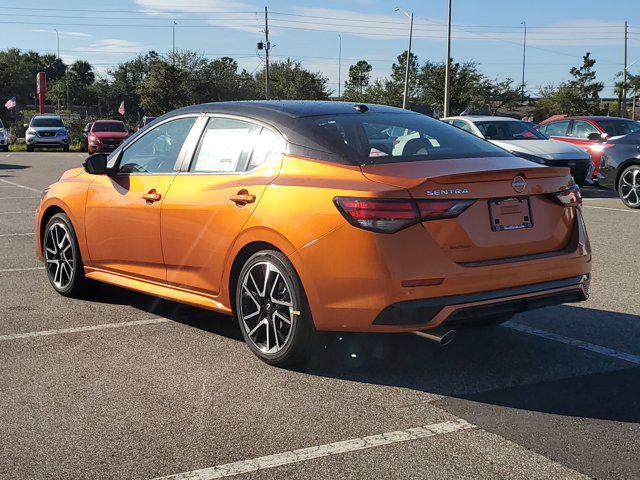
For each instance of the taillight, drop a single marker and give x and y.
(388, 215)
(570, 198)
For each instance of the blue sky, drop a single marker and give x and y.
(489, 32)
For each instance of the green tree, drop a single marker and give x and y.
(358, 82)
(290, 81)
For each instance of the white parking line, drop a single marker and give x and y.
(626, 210)
(16, 234)
(20, 186)
(13, 270)
(609, 352)
(89, 328)
(304, 454)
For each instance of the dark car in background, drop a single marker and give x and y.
(588, 132)
(620, 168)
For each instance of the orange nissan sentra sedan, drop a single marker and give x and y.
(297, 217)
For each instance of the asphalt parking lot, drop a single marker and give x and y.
(126, 386)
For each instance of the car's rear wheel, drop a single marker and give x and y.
(272, 309)
(62, 256)
(629, 186)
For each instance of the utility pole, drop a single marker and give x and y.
(623, 106)
(447, 65)
(58, 40)
(339, 65)
(524, 54)
(408, 60)
(633, 107)
(267, 47)
(173, 38)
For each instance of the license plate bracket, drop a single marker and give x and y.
(513, 213)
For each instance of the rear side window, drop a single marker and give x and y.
(557, 129)
(462, 125)
(399, 137)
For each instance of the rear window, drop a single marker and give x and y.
(615, 128)
(399, 137)
(508, 130)
(109, 127)
(46, 122)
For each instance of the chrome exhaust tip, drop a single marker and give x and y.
(442, 337)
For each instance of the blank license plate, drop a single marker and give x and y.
(510, 214)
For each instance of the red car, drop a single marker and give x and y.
(104, 135)
(589, 133)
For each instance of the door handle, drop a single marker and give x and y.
(151, 197)
(242, 198)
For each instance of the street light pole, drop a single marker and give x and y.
(173, 38)
(524, 54)
(447, 66)
(58, 56)
(339, 65)
(408, 61)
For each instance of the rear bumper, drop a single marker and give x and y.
(467, 309)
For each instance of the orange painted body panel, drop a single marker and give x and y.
(183, 247)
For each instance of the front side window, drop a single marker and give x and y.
(399, 137)
(508, 130)
(229, 145)
(557, 129)
(157, 150)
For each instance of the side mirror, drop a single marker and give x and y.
(131, 131)
(96, 164)
(594, 137)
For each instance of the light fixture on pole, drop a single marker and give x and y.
(406, 73)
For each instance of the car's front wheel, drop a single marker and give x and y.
(272, 309)
(62, 256)
(629, 186)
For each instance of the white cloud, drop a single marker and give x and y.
(63, 33)
(115, 45)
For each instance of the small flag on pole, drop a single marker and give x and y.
(121, 108)
(11, 103)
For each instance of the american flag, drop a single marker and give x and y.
(11, 103)
(121, 108)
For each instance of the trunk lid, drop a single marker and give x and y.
(471, 237)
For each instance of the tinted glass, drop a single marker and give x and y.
(462, 125)
(615, 128)
(109, 127)
(557, 129)
(157, 150)
(225, 146)
(397, 137)
(508, 130)
(582, 129)
(632, 138)
(47, 122)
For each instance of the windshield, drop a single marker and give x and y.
(508, 130)
(615, 128)
(400, 137)
(46, 122)
(109, 127)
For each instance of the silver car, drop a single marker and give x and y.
(47, 131)
(4, 138)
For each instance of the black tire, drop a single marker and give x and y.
(633, 197)
(297, 335)
(30, 148)
(74, 269)
(5, 148)
(65, 149)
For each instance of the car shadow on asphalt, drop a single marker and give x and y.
(596, 191)
(497, 366)
(10, 166)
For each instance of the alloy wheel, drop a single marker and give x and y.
(267, 307)
(630, 187)
(59, 257)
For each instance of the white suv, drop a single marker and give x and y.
(4, 138)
